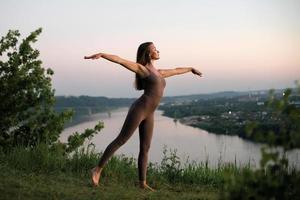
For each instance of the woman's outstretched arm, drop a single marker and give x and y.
(132, 66)
(179, 70)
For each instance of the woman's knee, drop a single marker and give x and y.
(145, 148)
(120, 141)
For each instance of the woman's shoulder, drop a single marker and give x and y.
(146, 72)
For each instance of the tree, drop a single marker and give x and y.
(275, 179)
(27, 116)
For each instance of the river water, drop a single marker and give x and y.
(192, 144)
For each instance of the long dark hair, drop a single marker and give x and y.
(143, 58)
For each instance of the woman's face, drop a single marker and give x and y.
(154, 53)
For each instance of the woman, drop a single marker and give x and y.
(141, 112)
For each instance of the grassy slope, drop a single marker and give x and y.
(15, 184)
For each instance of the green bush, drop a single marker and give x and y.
(28, 117)
(275, 179)
(27, 114)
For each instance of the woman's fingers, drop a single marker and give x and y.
(197, 72)
(91, 57)
(88, 57)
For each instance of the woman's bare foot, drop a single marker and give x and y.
(143, 185)
(96, 173)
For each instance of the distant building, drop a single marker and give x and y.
(296, 103)
(260, 103)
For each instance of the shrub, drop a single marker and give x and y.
(27, 99)
(275, 179)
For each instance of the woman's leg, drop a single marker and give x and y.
(145, 133)
(133, 119)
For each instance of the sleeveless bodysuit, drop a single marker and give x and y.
(140, 115)
(153, 92)
(142, 110)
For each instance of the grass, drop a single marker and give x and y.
(43, 173)
(16, 184)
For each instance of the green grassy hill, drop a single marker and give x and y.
(16, 184)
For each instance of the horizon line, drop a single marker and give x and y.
(224, 91)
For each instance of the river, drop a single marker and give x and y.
(192, 144)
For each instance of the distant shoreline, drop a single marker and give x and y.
(87, 118)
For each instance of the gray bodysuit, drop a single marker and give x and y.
(140, 114)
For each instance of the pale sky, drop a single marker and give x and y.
(237, 44)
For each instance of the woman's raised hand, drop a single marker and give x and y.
(196, 72)
(95, 56)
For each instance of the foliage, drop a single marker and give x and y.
(171, 165)
(54, 160)
(275, 179)
(286, 114)
(272, 183)
(27, 99)
(76, 140)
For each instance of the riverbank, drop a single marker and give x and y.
(192, 144)
(224, 116)
(81, 118)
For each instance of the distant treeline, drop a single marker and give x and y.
(85, 106)
(231, 113)
(88, 101)
(217, 95)
(82, 101)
